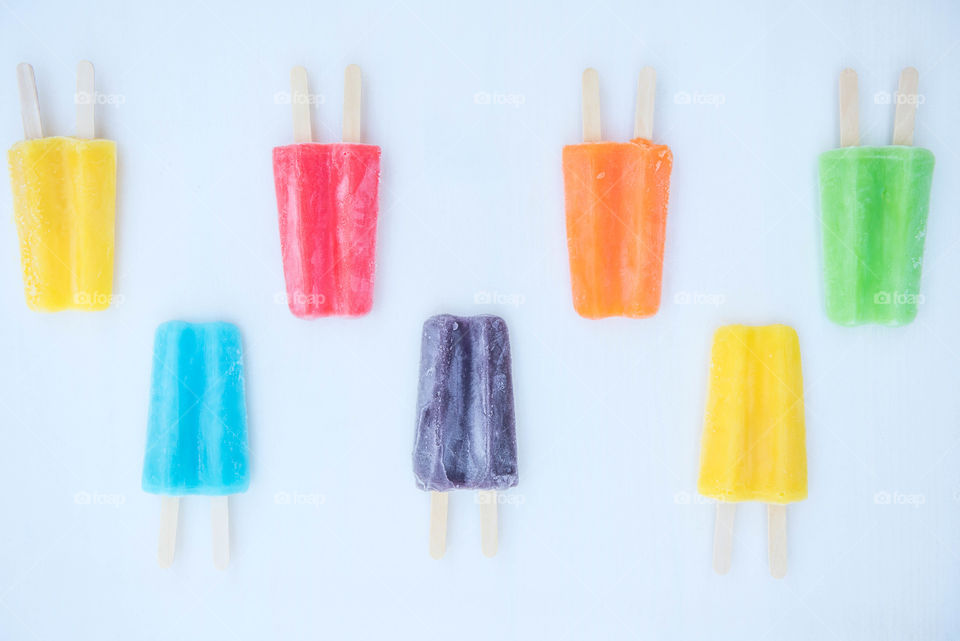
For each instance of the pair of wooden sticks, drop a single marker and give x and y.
(643, 118)
(30, 101)
(904, 118)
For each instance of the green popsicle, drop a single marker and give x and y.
(874, 203)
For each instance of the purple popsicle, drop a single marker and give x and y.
(466, 436)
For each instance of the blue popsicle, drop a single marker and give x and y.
(197, 430)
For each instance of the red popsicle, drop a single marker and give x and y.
(328, 200)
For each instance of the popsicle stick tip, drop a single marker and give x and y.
(849, 109)
(906, 110)
(166, 549)
(723, 537)
(29, 102)
(590, 97)
(646, 99)
(300, 104)
(352, 104)
(85, 99)
(438, 524)
(488, 522)
(220, 521)
(777, 539)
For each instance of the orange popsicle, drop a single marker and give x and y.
(616, 197)
(616, 200)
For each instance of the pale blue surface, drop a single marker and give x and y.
(606, 536)
(197, 430)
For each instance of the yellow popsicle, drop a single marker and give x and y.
(754, 443)
(64, 203)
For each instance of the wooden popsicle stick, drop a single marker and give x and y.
(438, 524)
(646, 94)
(351, 104)
(220, 522)
(849, 109)
(906, 112)
(169, 510)
(723, 536)
(777, 539)
(85, 99)
(300, 102)
(29, 102)
(488, 521)
(590, 90)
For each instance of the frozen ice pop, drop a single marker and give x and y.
(616, 208)
(197, 428)
(466, 434)
(753, 446)
(328, 200)
(874, 203)
(64, 198)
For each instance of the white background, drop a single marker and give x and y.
(605, 534)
